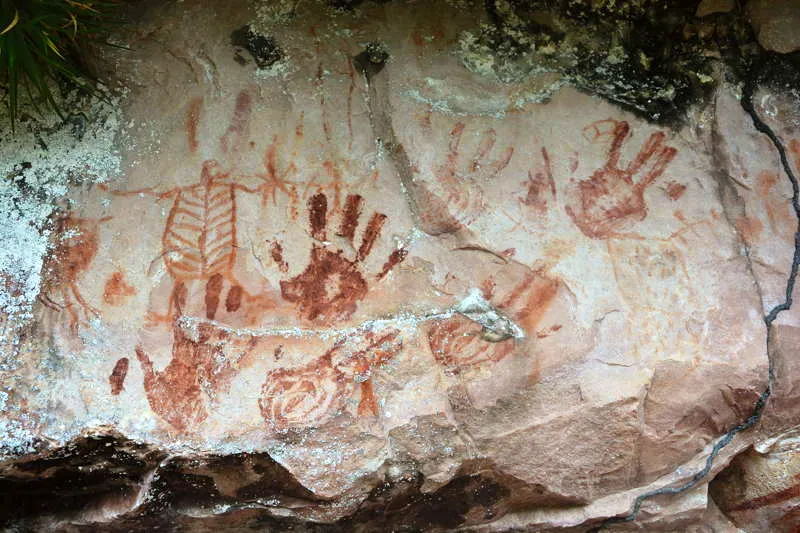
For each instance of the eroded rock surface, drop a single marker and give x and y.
(775, 24)
(346, 283)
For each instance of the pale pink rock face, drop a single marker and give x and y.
(407, 273)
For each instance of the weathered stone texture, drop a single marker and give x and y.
(345, 281)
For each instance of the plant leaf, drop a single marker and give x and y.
(13, 23)
(52, 46)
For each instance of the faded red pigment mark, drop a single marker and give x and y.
(425, 119)
(434, 215)
(312, 395)
(319, 84)
(192, 120)
(116, 290)
(276, 180)
(454, 197)
(317, 216)
(573, 162)
(613, 197)
(749, 228)
(766, 181)
(457, 343)
(487, 288)
(794, 148)
(71, 256)
(213, 291)
(549, 331)
(779, 213)
(117, 377)
(474, 248)
(354, 77)
(350, 216)
(276, 251)
(675, 190)
(234, 300)
(332, 285)
(332, 170)
(236, 137)
(541, 187)
(395, 258)
(371, 234)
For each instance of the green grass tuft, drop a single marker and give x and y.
(41, 43)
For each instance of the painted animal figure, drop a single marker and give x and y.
(77, 245)
(199, 240)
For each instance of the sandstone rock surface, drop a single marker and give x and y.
(775, 23)
(344, 282)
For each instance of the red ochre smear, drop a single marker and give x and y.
(117, 377)
(192, 120)
(116, 290)
(675, 190)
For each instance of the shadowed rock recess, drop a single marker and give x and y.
(513, 265)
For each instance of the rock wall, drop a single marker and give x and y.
(345, 283)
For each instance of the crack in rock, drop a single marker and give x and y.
(496, 325)
(747, 104)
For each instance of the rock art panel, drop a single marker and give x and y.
(398, 287)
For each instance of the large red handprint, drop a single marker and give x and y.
(332, 284)
(201, 366)
(612, 199)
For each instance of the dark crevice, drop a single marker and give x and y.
(747, 104)
(733, 204)
(749, 88)
(263, 49)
